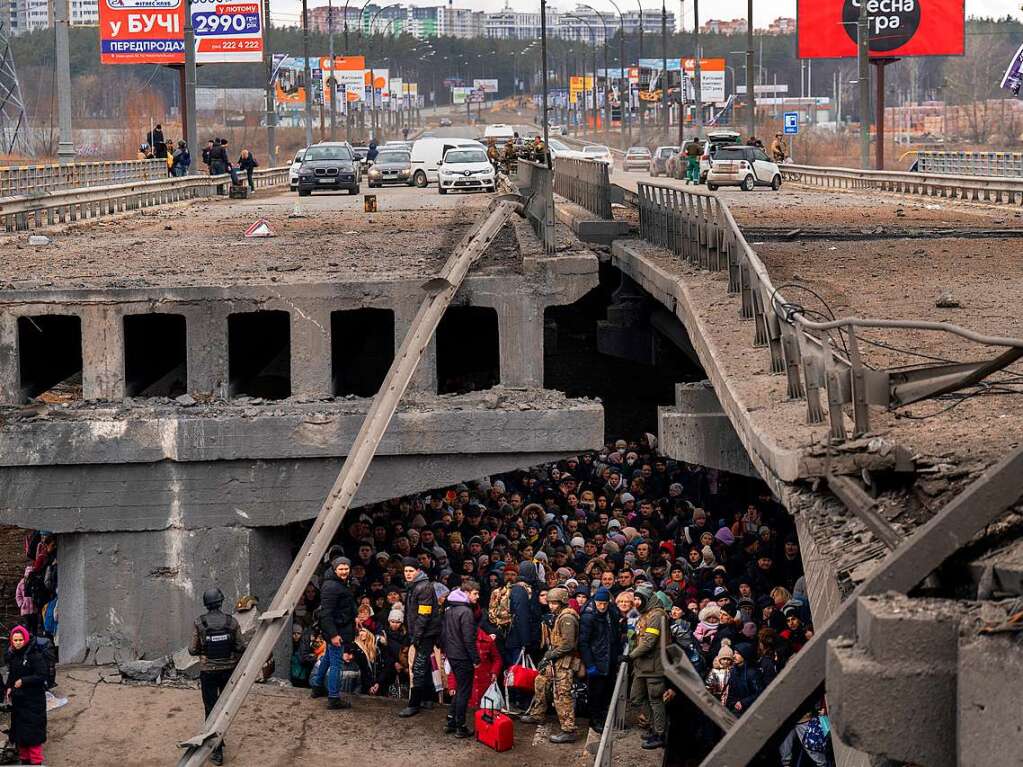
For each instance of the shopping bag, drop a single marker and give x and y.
(521, 675)
(492, 698)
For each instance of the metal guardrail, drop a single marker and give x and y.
(586, 183)
(994, 189)
(972, 163)
(28, 179)
(615, 721)
(699, 227)
(63, 206)
(536, 185)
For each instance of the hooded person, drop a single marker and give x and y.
(600, 632)
(423, 620)
(648, 682)
(524, 606)
(458, 641)
(26, 690)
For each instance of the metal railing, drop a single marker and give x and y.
(536, 185)
(818, 358)
(994, 189)
(972, 163)
(586, 183)
(31, 179)
(64, 206)
(614, 724)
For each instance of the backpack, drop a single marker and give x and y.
(35, 588)
(499, 612)
(814, 738)
(47, 649)
(217, 641)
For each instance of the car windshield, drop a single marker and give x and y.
(385, 157)
(640, 152)
(555, 144)
(328, 153)
(597, 150)
(464, 155)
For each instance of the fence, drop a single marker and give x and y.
(536, 184)
(699, 227)
(972, 163)
(62, 206)
(615, 721)
(994, 189)
(586, 183)
(30, 179)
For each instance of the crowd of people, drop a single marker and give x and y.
(570, 569)
(215, 156)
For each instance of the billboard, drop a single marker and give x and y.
(290, 84)
(227, 32)
(826, 29)
(485, 85)
(349, 76)
(142, 31)
(712, 78)
(674, 65)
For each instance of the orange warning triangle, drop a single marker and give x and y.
(260, 228)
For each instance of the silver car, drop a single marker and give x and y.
(392, 166)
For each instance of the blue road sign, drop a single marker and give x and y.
(792, 122)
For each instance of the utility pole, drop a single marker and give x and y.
(750, 90)
(271, 111)
(642, 103)
(66, 147)
(191, 129)
(332, 80)
(863, 50)
(308, 74)
(664, 62)
(697, 81)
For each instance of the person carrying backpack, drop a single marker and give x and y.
(25, 690)
(217, 641)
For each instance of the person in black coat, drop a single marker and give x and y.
(337, 621)
(25, 689)
(458, 640)
(247, 162)
(599, 645)
(423, 619)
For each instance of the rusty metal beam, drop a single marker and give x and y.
(865, 508)
(952, 528)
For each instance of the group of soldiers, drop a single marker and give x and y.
(515, 148)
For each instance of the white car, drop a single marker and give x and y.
(743, 166)
(293, 170)
(466, 168)
(600, 153)
(715, 140)
(428, 153)
(561, 149)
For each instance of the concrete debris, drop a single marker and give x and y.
(39, 239)
(947, 301)
(247, 622)
(185, 665)
(151, 671)
(185, 400)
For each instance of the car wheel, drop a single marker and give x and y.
(703, 178)
(420, 179)
(776, 183)
(712, 187)
(441, 190)
(304, 192)
(747, 184)
(354, 190)
(293, 187)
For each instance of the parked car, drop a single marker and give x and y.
(445, 122)
(561, 149)
(427, 154)
(637, 157)
(293, 170)
(329, 165)
(499, 132)
(715, 140)
(600, 153)
(393, 166)
(743, 166)
(658, 164)
(466, 167)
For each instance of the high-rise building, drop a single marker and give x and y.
(721, 27)
(27, 15)
(782, 25)
(509, 24)
(585, 24)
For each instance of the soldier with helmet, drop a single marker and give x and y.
(217, 641)
(558, 669)
(647, 689)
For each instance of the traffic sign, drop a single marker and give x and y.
(792, 123)
(260, 228)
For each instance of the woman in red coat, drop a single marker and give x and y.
(489, 668)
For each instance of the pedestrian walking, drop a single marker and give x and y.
(337, 623)
(423, 621)
(647, 690)
(217, 641)
(558, 669)
(458, 641)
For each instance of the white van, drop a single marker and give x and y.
(499, 132)
(427, 154)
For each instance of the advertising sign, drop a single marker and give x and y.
(712, 78)
(674, 65)
(381, 85)
(576, 85)
(791, 123)
(290, 84)
(459, 94)
(487, 86)
(826, 29)
(142, 31)
(227, 32)
(349, 75)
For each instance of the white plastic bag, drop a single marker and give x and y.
(492, 698)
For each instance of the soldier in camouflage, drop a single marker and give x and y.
(558, 668)
(647, 690)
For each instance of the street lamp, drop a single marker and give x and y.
(607, 75)
(543, 65)
(642, 107)
(624, 86)
(372, 71)
(593, 42)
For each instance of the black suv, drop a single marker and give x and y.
(329, 166)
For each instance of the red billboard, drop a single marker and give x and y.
(142, 31)
(826, 29)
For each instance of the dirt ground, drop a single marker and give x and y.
(140, 725)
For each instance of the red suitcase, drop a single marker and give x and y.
(494, 729)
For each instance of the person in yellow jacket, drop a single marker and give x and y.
(647, 690)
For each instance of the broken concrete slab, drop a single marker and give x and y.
(151, 671)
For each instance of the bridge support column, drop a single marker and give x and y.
(10, 375)
(311, 353)
(125, 594)
(696, 430)
(425, 377)
(521, 342)
(102, 353)
(207, 349)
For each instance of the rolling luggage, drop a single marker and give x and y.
(494, 729)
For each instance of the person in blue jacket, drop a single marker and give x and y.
(599, 644)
